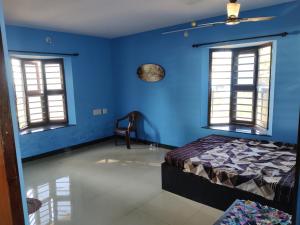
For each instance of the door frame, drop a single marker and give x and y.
(297, 174)
(11, 181)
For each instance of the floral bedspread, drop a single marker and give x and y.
(252, 213)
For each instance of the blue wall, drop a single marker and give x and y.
(92, 81)
(176, 107)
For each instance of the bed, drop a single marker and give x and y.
(217, 170)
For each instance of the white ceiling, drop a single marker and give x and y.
(114, 18)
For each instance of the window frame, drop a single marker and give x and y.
(235, 87)
(270, 44)
(45, 94)
(234, 77)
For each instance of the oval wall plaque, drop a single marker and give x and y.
(151, 72)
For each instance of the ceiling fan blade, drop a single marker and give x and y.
(211, 24)
(257, 19)
(180, 30)
(194, 28)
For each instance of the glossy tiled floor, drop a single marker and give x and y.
(108, 185)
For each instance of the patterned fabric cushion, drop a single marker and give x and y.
(247, 212)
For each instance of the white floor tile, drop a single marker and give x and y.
(138, 217)
(205, 216)
(107, 185)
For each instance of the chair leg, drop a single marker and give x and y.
(127, 140)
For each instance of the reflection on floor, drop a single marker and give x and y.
(61, 204)
(108, 185)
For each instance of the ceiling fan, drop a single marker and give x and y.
(233, 10)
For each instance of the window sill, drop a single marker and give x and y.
(240, 129)
(44, 128)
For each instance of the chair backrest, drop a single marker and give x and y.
(133, 118)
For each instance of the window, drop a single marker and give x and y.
(239, 86)
(40, 92)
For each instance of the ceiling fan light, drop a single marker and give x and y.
(232, 22)
(233, 10)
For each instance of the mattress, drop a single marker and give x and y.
(264, 168)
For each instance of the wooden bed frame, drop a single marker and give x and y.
(201, 190)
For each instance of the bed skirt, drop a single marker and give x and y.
(201, 190)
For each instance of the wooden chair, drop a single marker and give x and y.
(132, 118)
